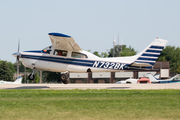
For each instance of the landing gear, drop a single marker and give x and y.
(64, 78)
(31, 76)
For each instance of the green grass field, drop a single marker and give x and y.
(89, 104)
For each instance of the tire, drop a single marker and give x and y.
(31, 77)
(64, 78)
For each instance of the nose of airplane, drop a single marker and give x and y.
(16, 54)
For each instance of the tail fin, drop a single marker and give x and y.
(18, 80)
(176, 76)
(151, 77)
(151, 53)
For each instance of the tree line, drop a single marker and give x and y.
(169, 53)
(8, 71)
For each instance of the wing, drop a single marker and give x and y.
(62, 41)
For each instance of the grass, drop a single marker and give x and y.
(89, 104)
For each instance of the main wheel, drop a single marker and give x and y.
(31, 77)
(64, 78)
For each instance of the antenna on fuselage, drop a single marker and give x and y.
(114, 42)
(121, 45)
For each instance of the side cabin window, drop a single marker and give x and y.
(60, 52)
(78, 55)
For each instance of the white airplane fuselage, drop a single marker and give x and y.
(50, 62)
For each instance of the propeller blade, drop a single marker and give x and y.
(17, 54)
(17, 60)
(18, 46)
(17, 64)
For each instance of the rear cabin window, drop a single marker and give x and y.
(78, 55)
(60, 52)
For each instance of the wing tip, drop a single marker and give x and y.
(59, 35)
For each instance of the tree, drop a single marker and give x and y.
(36, 78)
(128, 51)
(178, 69)
(103, 54)
(122, 50)
(11, 67)
(51, 76)
(5, 72)
(21, 67)
(96, 53)
(171, 54)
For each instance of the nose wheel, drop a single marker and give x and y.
(31, 76)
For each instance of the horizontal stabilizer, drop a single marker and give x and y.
(141, 64)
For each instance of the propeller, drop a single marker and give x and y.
(17, 55)
(17, 59)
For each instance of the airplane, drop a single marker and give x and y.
(65, 56)
(17, 81)
(134, 81)
(174, 79)
(128, 81)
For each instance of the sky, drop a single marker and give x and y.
(93, 24)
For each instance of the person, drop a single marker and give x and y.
(59, 53)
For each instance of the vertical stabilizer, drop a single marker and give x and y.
(151, 77)
(151, 53)
(18, 81)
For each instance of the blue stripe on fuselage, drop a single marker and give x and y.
(36, 51)
(60, 60)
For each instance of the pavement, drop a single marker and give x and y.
(91, 86)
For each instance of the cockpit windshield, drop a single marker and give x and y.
(47, 50)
